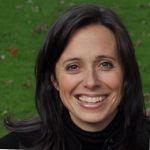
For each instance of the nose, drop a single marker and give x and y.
(90, 79)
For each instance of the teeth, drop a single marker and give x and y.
(88, 99)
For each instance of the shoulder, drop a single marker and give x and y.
(14, 140)
(10, 141)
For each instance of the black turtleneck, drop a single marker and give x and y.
(93, 140)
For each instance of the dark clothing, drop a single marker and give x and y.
(76, 138)
(95, 140)
(15, 140)
(10, 141)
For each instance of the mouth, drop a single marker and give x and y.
(91, 99)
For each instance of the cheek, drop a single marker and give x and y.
(114, 82)
(116, 86)
(66, 85)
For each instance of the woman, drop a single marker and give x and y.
(88, 88)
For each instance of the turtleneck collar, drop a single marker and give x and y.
(92, 140)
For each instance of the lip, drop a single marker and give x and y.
(92, 94)
(96, 105)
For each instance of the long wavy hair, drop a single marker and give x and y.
(48, 103)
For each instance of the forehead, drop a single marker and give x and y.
(91, 40)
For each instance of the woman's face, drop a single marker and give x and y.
(89, 77)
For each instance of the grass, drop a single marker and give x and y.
(24, 24)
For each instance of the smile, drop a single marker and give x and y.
(92, 99)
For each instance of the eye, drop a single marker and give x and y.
(72, 68)
(106, 66)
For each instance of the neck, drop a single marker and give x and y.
(92, 126)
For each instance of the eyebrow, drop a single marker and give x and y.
(72, 59)
(105, 56)
(97, 57)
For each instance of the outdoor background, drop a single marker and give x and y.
(23, 27)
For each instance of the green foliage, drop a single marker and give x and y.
(24, 24)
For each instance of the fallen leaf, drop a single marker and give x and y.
(36, 9)
(13, 51)
(139, 42)
(27, 84)
(146, 94)
(29, 1)
(2, 57)
(9, 82)
(62, 1)
(41, 28)
(19, 7)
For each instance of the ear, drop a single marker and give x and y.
(54, 81)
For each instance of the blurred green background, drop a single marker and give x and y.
(23, 27)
